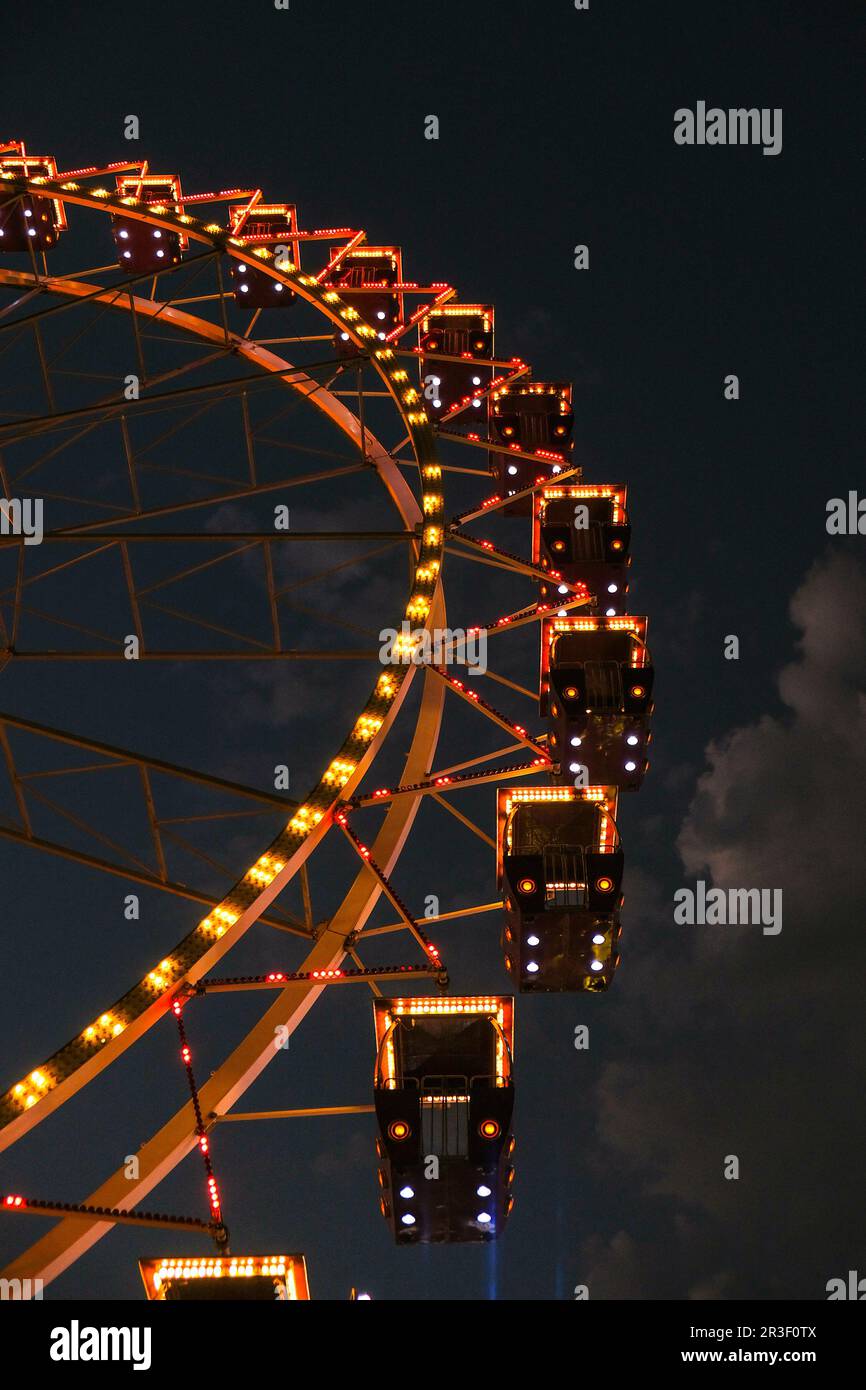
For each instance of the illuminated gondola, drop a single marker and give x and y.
(532, 422)
(456, 344)
(263, 1278)
(444, 1096)
(596, 690)
(271, 227)
(559, 870)
(362, 278)
(582, 532)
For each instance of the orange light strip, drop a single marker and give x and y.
(586, 491)
(290, 1269)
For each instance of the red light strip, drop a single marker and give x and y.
(96, 170)
(482, 394)
(447, 293)
(326, 233)
(579, 590)
(278, 979)
(464, 359)
(201, 1133)
(532, 614)
(36, 1207)
(493, 504)
(424, 942)
(473, 698)
(451, 782)
(223, 194)
(513, 451)
(356, 239)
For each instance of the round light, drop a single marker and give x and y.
(157, 235)
(526, 885)
(574, 767)
(398, 1129)
(476, 404)
(604, 884)
(437, 405)
(596, 965)
(363, 1298)
(612, 588)
(631, 740)
(241, 269)
(512, 468)
(610, 612)
(570, 692)
(476, 381)
(484, 1218)
(558, 545)
(279, 289)
(244, 289)
(598, 939)
(127, 255)
(576, 742)
(482, 1191)
(489, 1129)
(124, 233)
(380, 313)
(562, 589)
(508, 429)
(637, 692)
(532, 941)
(407, 1218)
(345, 337)
(532, 967)
(616, 545)
(630, 767)
(408, 1191)
(437, 380)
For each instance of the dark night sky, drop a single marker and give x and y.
(556, 128)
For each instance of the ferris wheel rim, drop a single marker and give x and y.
(422, 439)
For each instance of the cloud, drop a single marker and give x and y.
(751, 1045)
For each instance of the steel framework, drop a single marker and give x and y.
(127, 539)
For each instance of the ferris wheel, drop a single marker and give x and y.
(133, 315)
